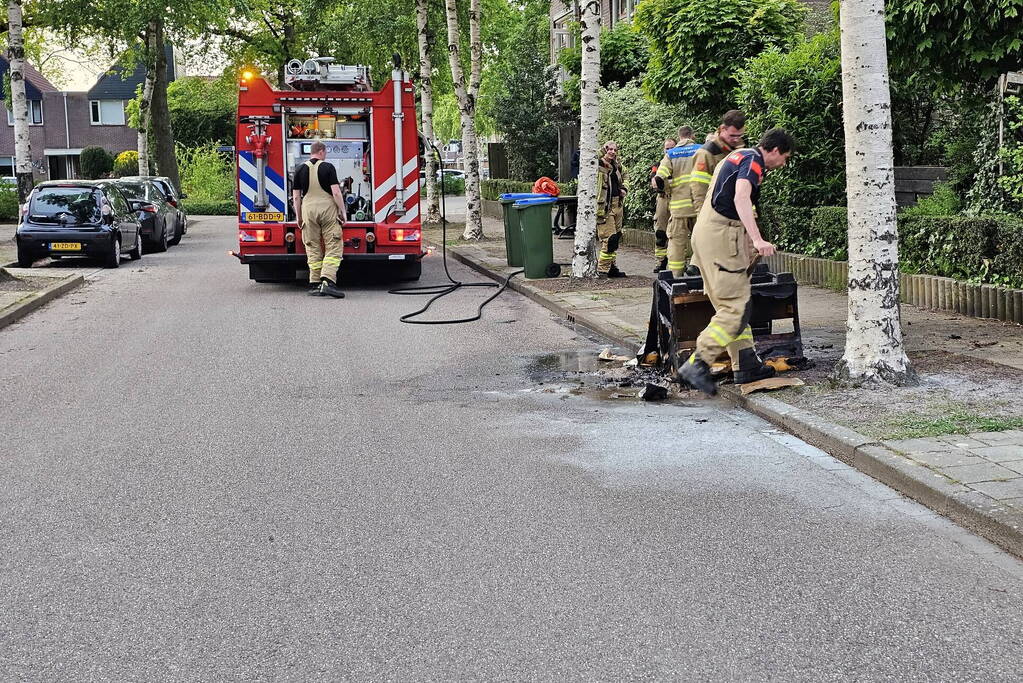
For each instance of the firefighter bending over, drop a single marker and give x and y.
(675, 175)
(726, 245)
(320, 211)
(660, 215)
(610, 192)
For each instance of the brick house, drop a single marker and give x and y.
(62, 123)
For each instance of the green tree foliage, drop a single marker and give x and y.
(520, 108)
(697, 46)
(203, 110)
(96, 162)
(955, 41)
(800, 91)
(126, 163)
(1011, 154)
(206, 174)
(639, 126)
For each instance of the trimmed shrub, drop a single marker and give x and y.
(95, 162)
(126, 163)
(984, 249)
(8, 203)
(205, 207)
(451, 186)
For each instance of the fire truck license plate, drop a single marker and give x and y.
(264, 217)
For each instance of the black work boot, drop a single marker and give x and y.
(751, 368)
(316, 288)
(328, 288)
(614, 272)
(691, 271)
(696, 374)
(663, 265)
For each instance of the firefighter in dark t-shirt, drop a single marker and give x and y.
(726, 244)
(320, 211)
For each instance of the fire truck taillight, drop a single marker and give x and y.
(254, 235)
(405, 234)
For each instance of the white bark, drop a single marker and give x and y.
(873, 350)
(145, 104)
(466, 94)
(426, 109)
(19, 101)
(584, 262)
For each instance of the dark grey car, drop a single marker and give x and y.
(158, 218)
(173, 197)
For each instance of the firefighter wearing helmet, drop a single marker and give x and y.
(320, 211)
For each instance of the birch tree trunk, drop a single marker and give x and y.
(873, 348)
(145, 103)
(584, 262)
(466, 95)
(19, 101)
(426, 108)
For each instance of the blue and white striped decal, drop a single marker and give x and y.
(275, 193)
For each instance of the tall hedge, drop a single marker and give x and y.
(985, 249)
(800, 91)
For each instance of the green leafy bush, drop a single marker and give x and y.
(639, 126)
(206, 173)
(95, 162)
(696, 46)
(943, 202)
(452, 185)
(623, 58)
(205, 207)
(126, 163)
(819, 232)
(800, 91)
(8, 203)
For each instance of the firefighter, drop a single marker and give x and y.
(727, 138)
(726, 245)
(661, 215)
(320, 212)
(610, 193)
(675, 174)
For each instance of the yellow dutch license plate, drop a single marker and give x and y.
(65, 246)
(264, 217)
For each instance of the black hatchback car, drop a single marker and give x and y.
(78, 218)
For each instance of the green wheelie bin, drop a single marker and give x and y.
(537, 238)
(512, 234)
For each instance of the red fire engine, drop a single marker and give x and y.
(371, 140)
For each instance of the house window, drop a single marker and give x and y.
(106, 112)
(622, 10)
(6, 167)
(35, 114)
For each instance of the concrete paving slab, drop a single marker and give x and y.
(1010, 436)
(962, 441)
(922, 445)
(1000, 490)
(970, 474)
(999, 453)
(956, 457)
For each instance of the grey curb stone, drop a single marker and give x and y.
(33, 301)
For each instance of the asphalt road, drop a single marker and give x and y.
(203, 478)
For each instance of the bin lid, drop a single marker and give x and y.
(514, 196)
(536, 201)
